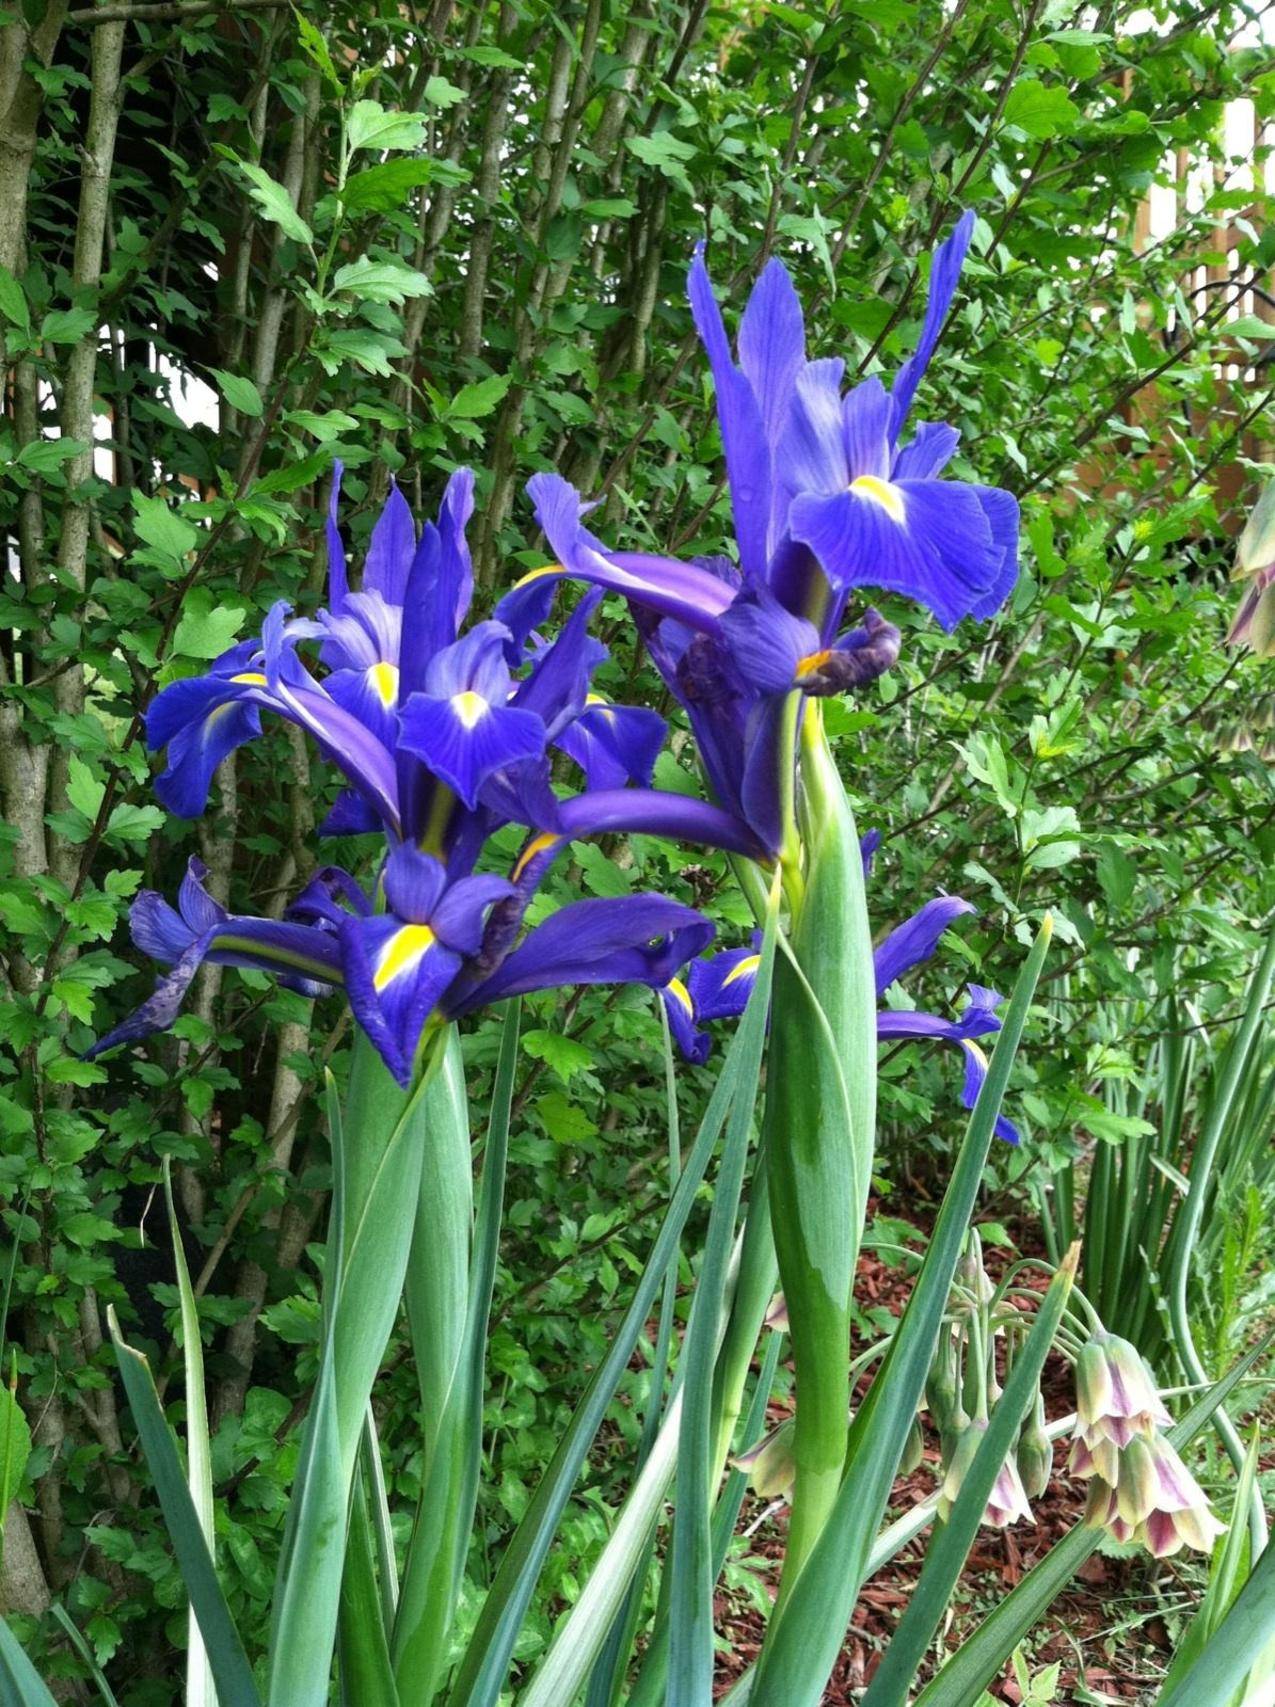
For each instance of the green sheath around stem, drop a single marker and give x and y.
(820, 1117)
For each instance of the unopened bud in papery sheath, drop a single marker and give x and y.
(769, 1464)
(1035, 1454)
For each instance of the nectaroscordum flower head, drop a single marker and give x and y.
(1007, 1501)
(1155, 1501)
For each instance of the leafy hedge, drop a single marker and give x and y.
(487, 264)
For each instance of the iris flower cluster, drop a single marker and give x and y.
(827, 496)
(444, 734)
(443, 737)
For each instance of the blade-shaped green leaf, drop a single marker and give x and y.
(691, 1561)
(200, 1690)
(87, 1656)
(363, 1648)
(804, 1637)
(451, 1309)
(607, 1681)
(1242, 1637)
(484, 1667)
(978, 1661)
(378, 1143)
(231, 1671)
(932, 1593)
(20, 1684)
(1227, 1572)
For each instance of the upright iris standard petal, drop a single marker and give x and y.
(338, 581)
(916, 939)
(391, 549)
(557, 688)
(462, 726)
(633, 939)
(440, 584)
(613, 744)
(945, 272)
(743, 425)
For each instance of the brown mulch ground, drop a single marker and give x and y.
(1082, 1630)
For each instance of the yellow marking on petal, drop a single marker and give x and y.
(599, 701)
(252, 678)
(215, 716)
(678, 990)
(402, 952)
(384, 680)
(537, 845)
(469, 707)
(746, 967)
(880, 492)
(812, 661)
(975, 1053)
(538, 574)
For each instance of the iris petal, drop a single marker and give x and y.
(739, 413)
(916, 939)
(632, 939)
(945, 272)
(391, 549)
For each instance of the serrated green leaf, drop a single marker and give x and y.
(472, 402)
(207, 628)
(274, 202)
(240, 393)
(370, 125)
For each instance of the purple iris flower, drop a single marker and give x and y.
(826, 498)
(443, 738)
(718, 986)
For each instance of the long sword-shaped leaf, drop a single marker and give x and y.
(607, 1681)
(1241, 1639)
(483, 1670)
(86, 1654)
(363, 1647)
(231, 1671)
(932, 1594)
(20, 1684)
(580, 1635)
(804, 1637)
(1228, 1570)
(978, 1661)
(200, 1690)
(437, 1307)
(690, 1678)
(377, 1144)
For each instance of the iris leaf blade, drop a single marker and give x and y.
(804, 1638)
(231, 1671)
(482, 1672)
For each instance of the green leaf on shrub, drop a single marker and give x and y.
(207, 628)
(565, 1055)
(370, 125)
(472, 402)
(240, 393)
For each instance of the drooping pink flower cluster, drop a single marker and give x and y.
(1139, 1488)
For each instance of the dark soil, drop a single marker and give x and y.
(1107, 1625)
